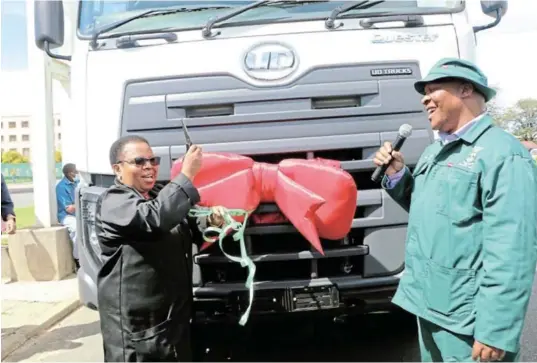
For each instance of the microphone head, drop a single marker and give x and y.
(405, 130)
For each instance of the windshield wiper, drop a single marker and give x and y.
(293, 3)
(207, 29)
(130, 40)
(206, 32)
(409, 20)
(330, 22)
(145, 14)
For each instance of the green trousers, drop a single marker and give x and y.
(440, 345)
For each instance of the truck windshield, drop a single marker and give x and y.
(97, 14)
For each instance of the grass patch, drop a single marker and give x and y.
(25, 219)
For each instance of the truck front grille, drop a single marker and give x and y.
(283, 257)
(279, 251)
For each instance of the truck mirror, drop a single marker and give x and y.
(495, 9)
(49, 26)
(492, 8)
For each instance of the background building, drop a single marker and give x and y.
(16, 134)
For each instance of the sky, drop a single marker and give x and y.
(503, 52)
(507, 53)
(14, 54)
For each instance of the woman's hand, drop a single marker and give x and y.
(216, 219)
(11, 224)
(192, 162)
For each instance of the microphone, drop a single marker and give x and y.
(404, 132)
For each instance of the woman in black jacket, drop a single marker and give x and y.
(145, 283)
(8, 209)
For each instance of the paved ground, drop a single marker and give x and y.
(22, 194)
(22, 200)
(381, 338)
(75, 339)
(29, 308)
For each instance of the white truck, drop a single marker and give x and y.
(271, 80)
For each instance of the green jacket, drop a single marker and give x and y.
(471, 247)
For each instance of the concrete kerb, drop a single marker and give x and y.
(59, 312)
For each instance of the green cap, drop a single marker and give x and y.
(457, 68)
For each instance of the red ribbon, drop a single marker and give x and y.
(315, 195)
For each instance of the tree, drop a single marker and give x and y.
(497, 113)
(520, 119)
(525, 114)
(13, 157)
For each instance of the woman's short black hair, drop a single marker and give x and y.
(117, 147)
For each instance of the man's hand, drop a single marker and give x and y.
(216, 218)
(383, 157)
(192, 162)
(70, 209)
(11, 224)
(485, 353)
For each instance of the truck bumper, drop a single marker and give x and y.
(348, 295)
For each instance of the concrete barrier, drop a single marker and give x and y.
(41, 254)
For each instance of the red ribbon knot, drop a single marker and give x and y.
(315, 195)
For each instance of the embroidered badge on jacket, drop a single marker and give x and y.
(470, 159)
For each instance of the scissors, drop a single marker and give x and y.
(187, 135)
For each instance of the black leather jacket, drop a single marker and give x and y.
(145, 283)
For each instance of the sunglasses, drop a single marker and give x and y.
(141, 161)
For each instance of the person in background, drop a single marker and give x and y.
(145, 283)
(8, 210)
(471, 247)
(65, 199)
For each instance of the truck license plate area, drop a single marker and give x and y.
(290, 299)
(311, 298)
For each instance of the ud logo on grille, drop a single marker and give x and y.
(270, 62)
(391, 72)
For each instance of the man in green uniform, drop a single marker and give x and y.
(471, 247)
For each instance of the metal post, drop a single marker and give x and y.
(42, 129)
